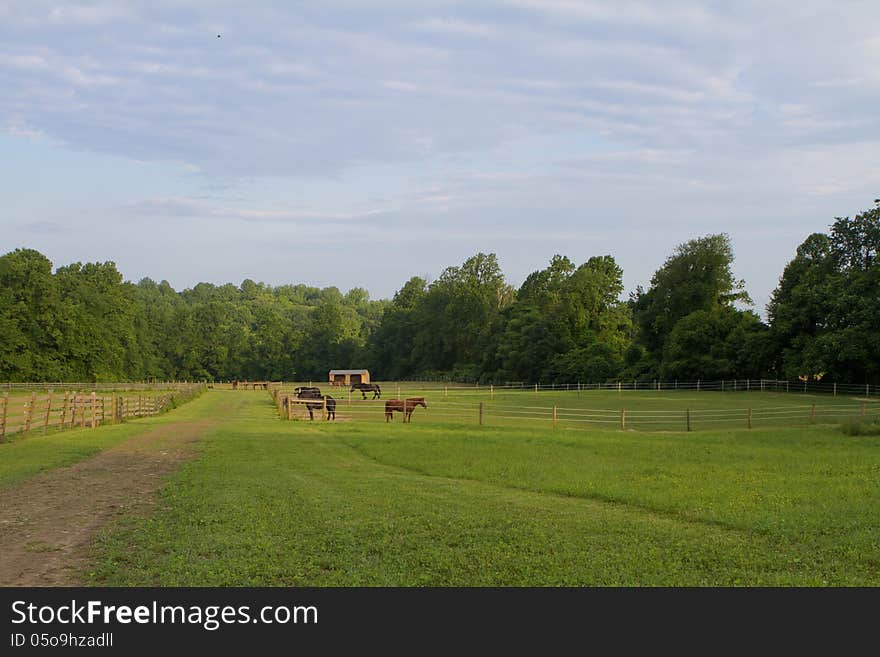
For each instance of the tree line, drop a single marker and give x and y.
(565, 323)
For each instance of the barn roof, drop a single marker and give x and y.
(347, 371)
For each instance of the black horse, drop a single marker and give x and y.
(329, 404)
(368, 387)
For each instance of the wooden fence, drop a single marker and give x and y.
(68, 410)
(119, 386)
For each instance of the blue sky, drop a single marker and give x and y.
(358, 143)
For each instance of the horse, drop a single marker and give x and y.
(406, 407)
(330, 407)
(310, 392)
(367, 387)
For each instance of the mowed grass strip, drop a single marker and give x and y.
(298, 504)
(28, 454)
(811, 488)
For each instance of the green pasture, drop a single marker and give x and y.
(278, 503)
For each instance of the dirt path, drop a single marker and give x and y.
(48, 521)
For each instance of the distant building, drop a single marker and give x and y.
(348, 377)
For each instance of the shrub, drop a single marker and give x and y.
(861, 427)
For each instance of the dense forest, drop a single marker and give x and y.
(566, 323)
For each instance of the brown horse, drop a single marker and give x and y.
(406, 407)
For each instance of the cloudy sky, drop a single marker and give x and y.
(358, 143)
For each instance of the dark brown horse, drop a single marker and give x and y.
(367, 387)
(406, 407)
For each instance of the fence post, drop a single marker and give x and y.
(30, 412)
(688, 419)
(48, 411)
(64, 407)
(698, 385)
(491, 391)
(749, 418)
(481, 413)
(93, 409)
(554, 416)
(536, 389)
(3, 406)
(398, 391)
(623, 419)
(112, 408)
(445, 392)
(835, 389)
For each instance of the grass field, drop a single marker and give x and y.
(271, 502)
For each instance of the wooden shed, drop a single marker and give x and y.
(348, 377)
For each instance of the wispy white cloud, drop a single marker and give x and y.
(454, 27)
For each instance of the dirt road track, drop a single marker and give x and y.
(48, 521)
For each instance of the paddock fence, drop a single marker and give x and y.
(721, 385)
(23, 413)
(576, 406)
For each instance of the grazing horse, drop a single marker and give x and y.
(329, 404)
(367, 387)
(406, 407)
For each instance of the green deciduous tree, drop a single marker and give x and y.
(825, 312)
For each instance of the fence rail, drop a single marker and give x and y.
(23, 414)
